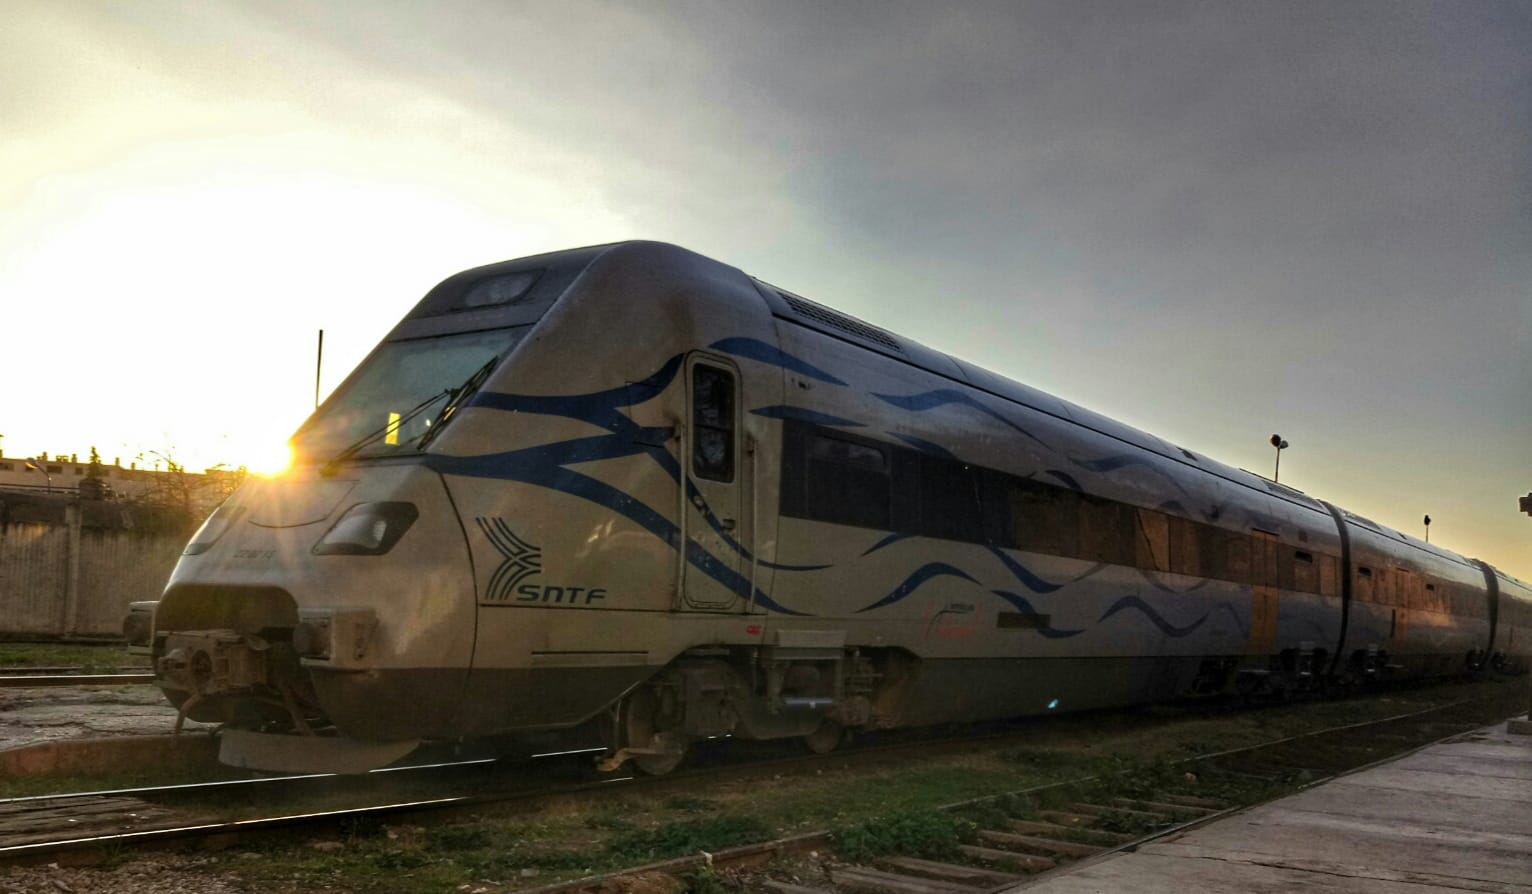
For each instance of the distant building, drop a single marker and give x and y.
(198, 492)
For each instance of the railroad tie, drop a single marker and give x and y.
(1029, 862)
(1162, 806)
(1107, 810)
(777, 887)
(1033, 844)
(949, 872)
(1054, 830)
(864, 878)
(1191, 801)
(1071, 820)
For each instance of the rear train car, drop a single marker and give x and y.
(630, 486)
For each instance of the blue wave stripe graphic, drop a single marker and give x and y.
(1239, 622)
(701, 505)
(1022, 605)
(925, 446)
(1113, 463)
(916, 579)
(1125, 460)
(1037, 584)
(1154, 578)
(930, 400)
(546, 465)
(1028, 579)
(890, 540)
(1154, 617)
(1067, 479)
(754, 349)
(783, 411)
(600, 408)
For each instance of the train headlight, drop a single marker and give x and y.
(367, 529)
(216, 525)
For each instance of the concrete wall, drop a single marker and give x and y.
(60, 578)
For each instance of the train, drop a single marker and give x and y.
(630, 488)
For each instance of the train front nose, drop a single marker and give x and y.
(327, 623)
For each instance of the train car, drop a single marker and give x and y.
(630, 486)
(1512, 650)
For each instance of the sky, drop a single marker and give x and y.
(1212, 221)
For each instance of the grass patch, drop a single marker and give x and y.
(925, 833)
(688, 837)
(89, 657)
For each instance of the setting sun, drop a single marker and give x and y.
(269, 462)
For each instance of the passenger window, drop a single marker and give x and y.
(1045, 519)
(712, 423)
(949, 501)
(1106, 531)
(1185, 547)
(848, 483)
(1154, 543)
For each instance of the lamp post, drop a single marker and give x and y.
(1281, 445)
(41, 466)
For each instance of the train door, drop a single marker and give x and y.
(1263, 593)
(714, 573)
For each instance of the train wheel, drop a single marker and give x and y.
(826, 737)
(651, 731)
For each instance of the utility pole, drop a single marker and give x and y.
(1524, 727)
(318, 365)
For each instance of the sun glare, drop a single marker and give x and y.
(272, 461)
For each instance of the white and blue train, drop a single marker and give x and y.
(633, 486)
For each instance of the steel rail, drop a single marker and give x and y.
(22, 681)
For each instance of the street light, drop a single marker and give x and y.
(1281, 445)
(41, 466)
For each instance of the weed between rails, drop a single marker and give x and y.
(928, 833)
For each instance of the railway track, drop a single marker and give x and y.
(1013, 834)
(1012, 838)
(73, 675)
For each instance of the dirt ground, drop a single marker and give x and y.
(47, 714)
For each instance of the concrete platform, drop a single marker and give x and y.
(1452, 817)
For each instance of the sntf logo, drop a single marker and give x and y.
(511, 582)
(522, 559)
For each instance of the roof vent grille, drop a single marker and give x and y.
(837, 320)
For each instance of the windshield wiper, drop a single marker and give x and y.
(333, 463)
(455, 398)
(464, 391)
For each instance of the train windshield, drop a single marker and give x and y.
(388, 405)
